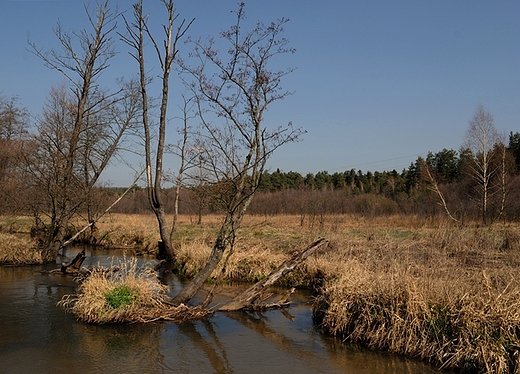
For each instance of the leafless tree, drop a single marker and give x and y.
(14, 122)
(433, 186)
(201, 188)
(232, 94)
(137, 31)
(79, 132)
(487, 163)
(484, 160)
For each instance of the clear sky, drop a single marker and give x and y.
(377, 83)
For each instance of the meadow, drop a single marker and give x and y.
(414, 286)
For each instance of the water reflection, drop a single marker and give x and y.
(36, 336)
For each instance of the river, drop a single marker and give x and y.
(36, 336)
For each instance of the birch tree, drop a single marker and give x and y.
(485, 163)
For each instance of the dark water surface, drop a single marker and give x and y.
(36, 336)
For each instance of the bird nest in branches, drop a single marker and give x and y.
(126, 294)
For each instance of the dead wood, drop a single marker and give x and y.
(75, 265)
(253, 297)
(93, 222)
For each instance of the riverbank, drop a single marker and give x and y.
(37, 336)
(416, 287)
(17, 248)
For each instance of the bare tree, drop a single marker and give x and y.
(14, 122)
(135, 38)
(487, 164)
(105, 127)
(201, 188)
(483, 160)
(72, 154)
(236, 92)
(433, 186)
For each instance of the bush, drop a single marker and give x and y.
(375, 205)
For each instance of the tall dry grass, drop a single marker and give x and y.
(446, 295)
(125, 293)
(16, 247)
(17, 250)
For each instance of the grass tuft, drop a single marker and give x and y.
(125, 294)
(120, 297)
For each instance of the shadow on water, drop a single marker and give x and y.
(36, 336)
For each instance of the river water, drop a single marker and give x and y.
(36, 336)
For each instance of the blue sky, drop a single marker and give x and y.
(377, 83)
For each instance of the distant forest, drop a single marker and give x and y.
(356, 192)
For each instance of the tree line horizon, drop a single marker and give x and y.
(354, 191)
(349, 192)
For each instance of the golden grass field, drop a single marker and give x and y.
(420, 287)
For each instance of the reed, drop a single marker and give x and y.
(446, 295)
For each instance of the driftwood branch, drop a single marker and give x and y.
(255, 293)
(73, 267)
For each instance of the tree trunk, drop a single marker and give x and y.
(54, 239)
(166, 251)
(254, 293)
(225, 237)
(191, 288)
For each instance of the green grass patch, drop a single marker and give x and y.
(120, 296)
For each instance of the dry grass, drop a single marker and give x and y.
(414, 286)
(125, 294)
(15, 224)
(447, 295)
(17, 250)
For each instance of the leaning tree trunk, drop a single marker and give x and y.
(196, 283)
(248, 298)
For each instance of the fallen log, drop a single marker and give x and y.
(74, 266)
(253, 296)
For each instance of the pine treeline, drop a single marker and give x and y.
(356, 192)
